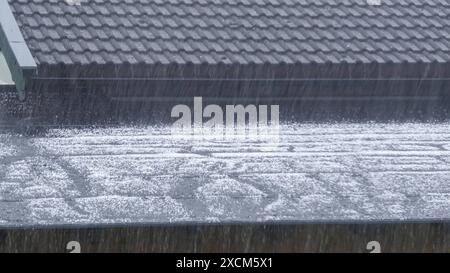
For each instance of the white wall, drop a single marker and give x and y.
(5, 74)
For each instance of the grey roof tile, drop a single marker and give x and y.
(237, 31)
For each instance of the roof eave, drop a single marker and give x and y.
(17, 54)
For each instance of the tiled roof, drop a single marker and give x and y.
(235, 31)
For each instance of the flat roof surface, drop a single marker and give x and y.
(316, 172)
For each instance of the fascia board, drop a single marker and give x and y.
(17, 54)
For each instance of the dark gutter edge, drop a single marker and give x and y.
(235, 79)
(17, 54)
(431, 221)
(277, 71)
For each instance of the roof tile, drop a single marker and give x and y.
(242, 31)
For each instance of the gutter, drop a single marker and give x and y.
(15, 50)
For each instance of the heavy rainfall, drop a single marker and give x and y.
(360, 159)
